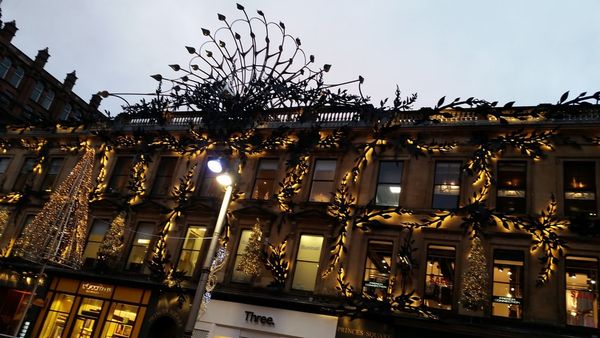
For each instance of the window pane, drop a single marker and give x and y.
(164, 176)
(4, 67)
(194, 238)
(118, 180)
(507, 296)
(209, 186)
(439, 277)
(307, 262)
(580, 188)
(511, 187)
(447, 173)
(321, 191)
(4, 161)
(390, 172)
(36, 92)
(120, 321)
(446, 189)
(56, 320)
(52, 174)
(239, 276)
(324, 170)
(265, 179)
(47, 99)
(190, 252)
(388, 194)
(17, 76)
(582, 291)
(140, 244)
(378, 268)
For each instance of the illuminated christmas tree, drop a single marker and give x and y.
(474, 294)
(251, 262)
(112, 246)
(58, 232)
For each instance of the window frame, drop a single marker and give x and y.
(256, 178)
(459, 183)
(454, 246)
(378, 181)
(566, 289)
(111, 180)
(394, 253)
(157, 175)
(143, 268)
(565, 190)
(56, 175)
(16, 77)
(87, 241)
(6, 65)
(24, 178)
(37, 91)
(211, 187)
(312, 179)
(522, 282)
(295, 261)
(201, 252)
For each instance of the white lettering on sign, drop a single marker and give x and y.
(253, 318)
(96, 288)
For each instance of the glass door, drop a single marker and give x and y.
(87, 318)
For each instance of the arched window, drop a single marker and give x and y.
(17, 76)
(37, 91)
(5, 66)
(47, 99)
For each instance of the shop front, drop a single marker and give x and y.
(236, 320)
(75, 308)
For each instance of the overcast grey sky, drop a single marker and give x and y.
(530, 51)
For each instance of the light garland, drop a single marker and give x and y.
(58, 232)
(137, 183)
(277, 263)
(107, 153)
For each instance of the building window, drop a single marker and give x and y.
(164, 176)
(16, 77)
(4, 162)
(511, 187)
(322, 182)
(25, 175)
(439, 277)
(239, 276)
(582, 291)
(87, 317)
(507, 297)
(56, 319)
(307, 262)
(139, 247)
(265, 179)
(580, 188)
(191, 250)
(37, 91)
(120, 320)
(209, 186)
(120, 174)
(95, 238)
(47, 99)
(65, 112)
(378, 268)
(389, 183)
(5, 66)
(446, 185)
(52, 174)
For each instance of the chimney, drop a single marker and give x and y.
(95, 101)
(42, 57)
(70, 80)
(9, 30)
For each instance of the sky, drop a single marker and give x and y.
(512, 50)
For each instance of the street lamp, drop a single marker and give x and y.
(225, 180)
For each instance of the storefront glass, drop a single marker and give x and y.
(120, 321)
(57, 317)
(582, 291)
(87, 318)
(439, 279)
(507, 298)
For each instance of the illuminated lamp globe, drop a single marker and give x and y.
(215, 166)
(224, 179)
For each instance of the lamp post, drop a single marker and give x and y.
(225, 180)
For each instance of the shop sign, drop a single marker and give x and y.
(375, 284)
(363, 328)
(251, 317)
(506, 300)
(96, 289)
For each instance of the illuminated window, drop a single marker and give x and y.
(307, 262)
(120, 320)
(580, 188)
(5, 66)
(51, 174)
(86, 319)
(581, 275)
(507, 294)
(17, 77)
(511, 187)
(37, 91)
(239, 276)
(209, 187)
(56, 319)
(265, 179)
(139, 247)
(164, 176)
(322, 182)
(191, 250)
(389, 183)
(47, 99)
(446, 185)
(378, 268)
(120, 174)
(439, 277)
(95, 238)
(25, 175)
